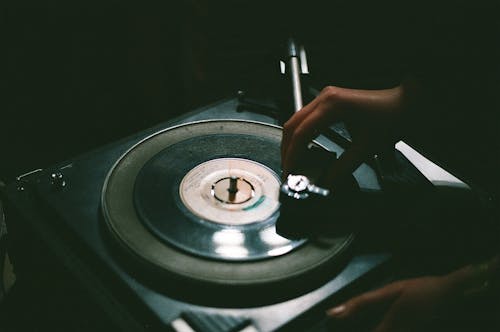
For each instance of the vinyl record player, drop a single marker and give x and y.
(175, 228)
(149, 228)
(187, 226)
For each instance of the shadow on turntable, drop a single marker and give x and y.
(194, 207)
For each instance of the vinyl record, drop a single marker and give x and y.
(182, 195)
(199, 201)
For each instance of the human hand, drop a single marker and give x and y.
(421, 304)
(368, 114)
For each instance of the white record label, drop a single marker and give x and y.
(231, 191)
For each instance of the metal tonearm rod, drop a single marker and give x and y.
(297, 66)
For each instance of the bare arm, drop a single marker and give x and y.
(422, 304)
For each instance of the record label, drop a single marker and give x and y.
(206, 191)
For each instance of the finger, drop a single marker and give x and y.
(327, 96)
(317, 119)
(292, 123)
(375, 300)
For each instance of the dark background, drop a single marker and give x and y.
(76, 75)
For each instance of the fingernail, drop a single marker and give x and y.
(336, 311)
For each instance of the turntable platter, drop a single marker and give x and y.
(200, 201)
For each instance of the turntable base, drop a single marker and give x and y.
(142, 280)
